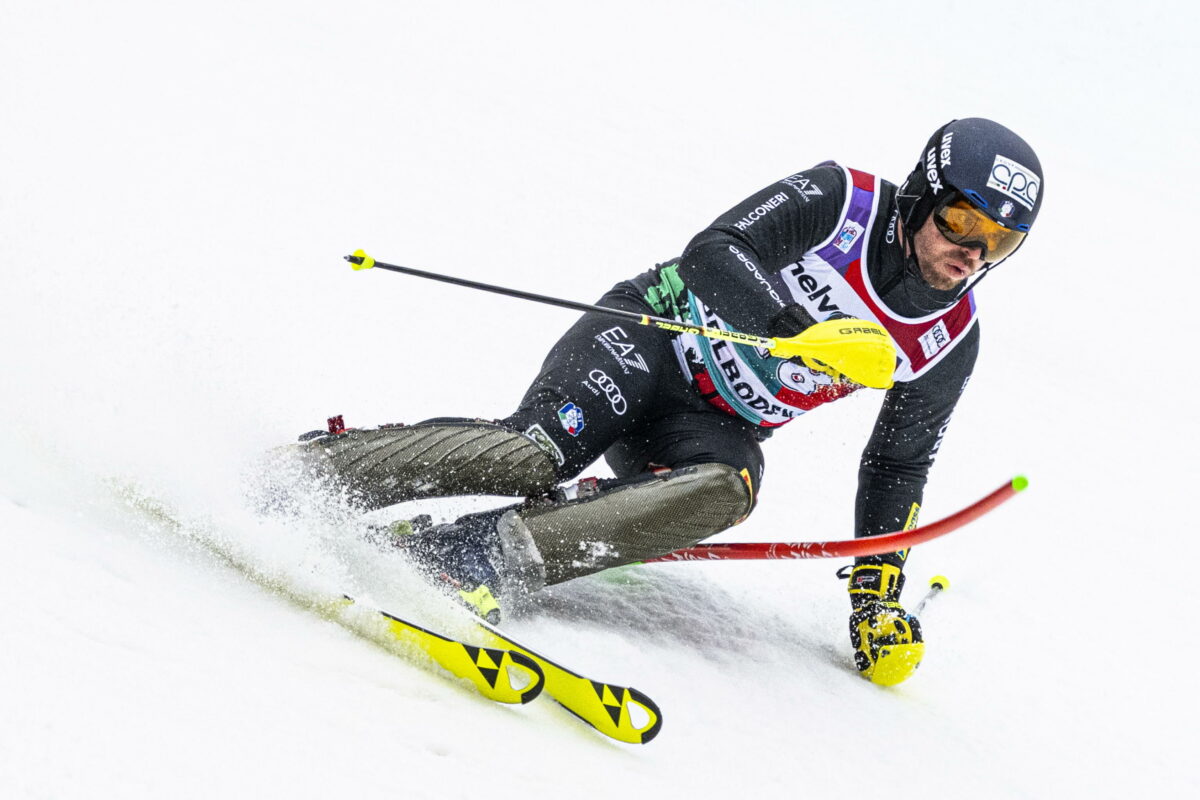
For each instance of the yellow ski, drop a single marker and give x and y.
(491, 670)
(620, 712)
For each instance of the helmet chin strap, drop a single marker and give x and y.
(987, 267)
(971, 284)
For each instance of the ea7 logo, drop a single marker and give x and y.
(803, 186)
(1018, 182)
(612, 340)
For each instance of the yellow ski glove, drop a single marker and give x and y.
(887, 640)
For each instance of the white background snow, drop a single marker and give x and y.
(178, 184)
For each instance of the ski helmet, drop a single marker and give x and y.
(981, 160)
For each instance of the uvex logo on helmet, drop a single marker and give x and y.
(934, 159)
(931, 172)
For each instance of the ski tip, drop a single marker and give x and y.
(1020, 483)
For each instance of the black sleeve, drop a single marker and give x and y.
(907, 435)
(726, 264)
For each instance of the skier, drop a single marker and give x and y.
(680, 418)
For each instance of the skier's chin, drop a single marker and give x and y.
(945, 278)
(948, 284)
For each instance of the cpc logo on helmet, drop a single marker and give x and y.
(1017, 181)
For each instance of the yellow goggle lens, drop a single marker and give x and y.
(962, 223)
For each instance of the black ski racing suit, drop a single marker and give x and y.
(618, 389)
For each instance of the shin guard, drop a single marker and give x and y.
(379, 467)
(634, 520)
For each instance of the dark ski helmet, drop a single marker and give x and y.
(996, 170)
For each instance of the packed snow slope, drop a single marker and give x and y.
(178, 184)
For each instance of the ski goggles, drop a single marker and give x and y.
(963, 223)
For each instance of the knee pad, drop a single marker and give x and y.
(379, 467)
(635, 520)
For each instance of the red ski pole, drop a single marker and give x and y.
(866, 546)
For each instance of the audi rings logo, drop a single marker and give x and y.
(610, 389)
(1017, 181)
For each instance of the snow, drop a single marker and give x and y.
(177, 187)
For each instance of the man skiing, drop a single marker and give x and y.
(680, 418)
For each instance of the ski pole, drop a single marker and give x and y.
(937, 585)
(859, 349)
(846, 548)
(360, 260)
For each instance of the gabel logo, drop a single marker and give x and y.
(1018, 182)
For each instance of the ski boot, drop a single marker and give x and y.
(483, 559)
(887, 640)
